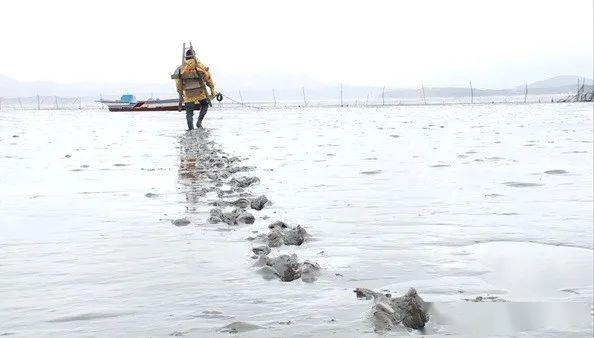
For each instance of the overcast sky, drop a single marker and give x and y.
(394, 43)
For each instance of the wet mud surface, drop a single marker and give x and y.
(138, 229)
(409, 310)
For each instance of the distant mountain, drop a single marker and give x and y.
(558, 81)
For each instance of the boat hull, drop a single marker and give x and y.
(151, 105)
(132, 108)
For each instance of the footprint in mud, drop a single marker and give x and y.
(395, 136)
(371, 172)
(120, 165)
(439, 166)
(521, 184)
(556, 172)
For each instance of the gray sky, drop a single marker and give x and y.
(394, 43)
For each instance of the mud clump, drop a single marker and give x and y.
(259, 202)
(244, 181)
(310, 271)
(280, 233)
(180, 222)
(246, 218)
(235, 217)
(287, 268)
(237, 327)
(261, 250)
(233, 170)
(409, 310)
(242, 203)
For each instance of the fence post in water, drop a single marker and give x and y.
(241, 98)
(56, 99)
(471, 94)
(526, 93)
(341, 94)
(20, 103)
(367, 99)
(304, 100)
(38, 103)
(79, 103)
(384, 95)
(274, 97)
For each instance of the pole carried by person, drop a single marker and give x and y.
(180, 93)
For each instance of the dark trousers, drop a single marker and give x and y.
(190, 107)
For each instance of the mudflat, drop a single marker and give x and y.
(110, 225)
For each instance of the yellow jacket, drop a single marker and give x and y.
(193, 66)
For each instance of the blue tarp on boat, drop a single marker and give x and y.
(128, 98)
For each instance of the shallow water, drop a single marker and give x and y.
(457, 201)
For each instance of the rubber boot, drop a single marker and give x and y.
(200, 118)
(190, 121)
